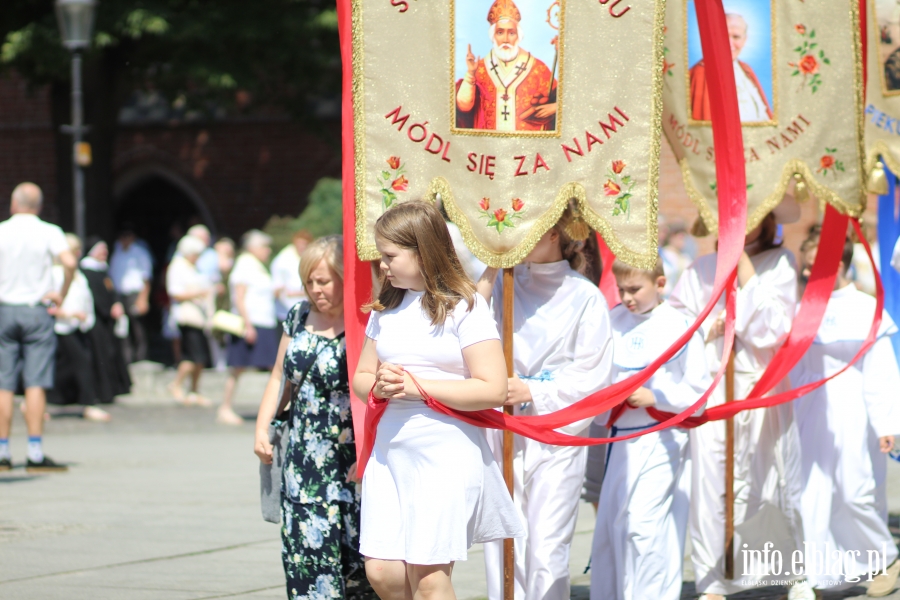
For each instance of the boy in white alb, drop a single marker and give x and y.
(643, 512)
(846, 428)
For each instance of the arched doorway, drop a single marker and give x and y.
(159, 207)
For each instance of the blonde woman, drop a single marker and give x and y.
(320, 495)
(253, 298)
(191, 293)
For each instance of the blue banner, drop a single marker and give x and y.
(888, 232)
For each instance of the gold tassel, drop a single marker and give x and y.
(801, 191)
(699, 229)
(878, 180)
(577, 229)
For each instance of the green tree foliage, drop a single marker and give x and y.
(285, 53)
(322, 215)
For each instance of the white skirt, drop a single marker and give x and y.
(431, 489)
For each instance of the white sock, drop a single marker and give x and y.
(35, 450)
(4, 449)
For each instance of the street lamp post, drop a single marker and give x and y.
(76, 23)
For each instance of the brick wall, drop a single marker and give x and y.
(242, 171)
(27, 150)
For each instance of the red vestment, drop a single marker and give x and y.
(700, 109)
(534, 81)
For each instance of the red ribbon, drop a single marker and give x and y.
(732, 196)
(732, 224)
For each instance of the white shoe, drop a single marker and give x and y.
(711, 597)
(802, 590)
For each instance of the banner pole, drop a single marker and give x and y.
(729, 473)
(509, 555)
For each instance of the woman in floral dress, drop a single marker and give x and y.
(320, 492)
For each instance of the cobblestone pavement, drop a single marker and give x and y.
(162, 503)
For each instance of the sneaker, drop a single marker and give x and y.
(45, 466)
(711, 597)
(884, 583)
(5, 464)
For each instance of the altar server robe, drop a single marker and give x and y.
(767, 453)
(562, 350)
(844, 501)
(643, 512)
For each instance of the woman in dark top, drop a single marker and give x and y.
(320, 491)
(111, 376)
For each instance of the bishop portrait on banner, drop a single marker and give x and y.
(510, 89)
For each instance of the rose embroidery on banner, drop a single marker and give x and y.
(392, 181)
(618, 187)
(809, 59)
(501, 218)
(667, 66)
(829, 164)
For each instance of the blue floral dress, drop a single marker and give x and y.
(320, 510)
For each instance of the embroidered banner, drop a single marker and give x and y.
(882, 113)
(799, 83)
(507, 110)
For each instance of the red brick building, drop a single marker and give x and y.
(231, 174)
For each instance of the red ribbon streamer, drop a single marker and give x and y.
(357, 274)
(732, 196)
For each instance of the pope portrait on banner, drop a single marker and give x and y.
(510, 89)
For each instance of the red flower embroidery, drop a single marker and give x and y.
(401, 184)
(485, 203)
(611, 188)
(517, 204)
(800, 28)
(826, 162)
(500, 215)
(394, 162)
(618, 166)
(808, 65)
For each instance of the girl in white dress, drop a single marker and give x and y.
(431, 488)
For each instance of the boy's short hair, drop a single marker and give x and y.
(623, 269)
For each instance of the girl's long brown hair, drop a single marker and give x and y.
(418, 226)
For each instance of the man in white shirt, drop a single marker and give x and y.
(28, 301)
(131, 270)
(286, 274)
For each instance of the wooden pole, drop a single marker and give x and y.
(729, 473)
(509, 555)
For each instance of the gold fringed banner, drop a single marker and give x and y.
(882, 113)
(508, 110)
(798, 74)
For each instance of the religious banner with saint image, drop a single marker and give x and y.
(798, 75)
(509, 111)
(882, 114)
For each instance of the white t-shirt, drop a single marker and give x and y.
(286, 279)
(79, 299)
(130, 268)
(260, 297)
(406, 337)
(183, 278)
(28, 246)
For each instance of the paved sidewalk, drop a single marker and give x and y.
(162, 503)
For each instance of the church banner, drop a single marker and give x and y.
(882, 113)
(509, 111)
(798, 74)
